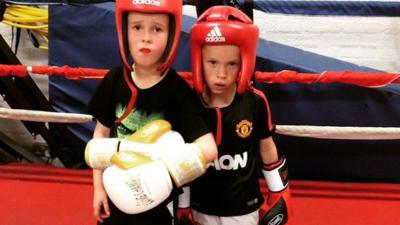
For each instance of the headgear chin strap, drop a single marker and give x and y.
(171, 7)
(224, 25)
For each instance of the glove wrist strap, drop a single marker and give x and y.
(185, 163)
(276, 175)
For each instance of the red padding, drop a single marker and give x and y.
(44, 195)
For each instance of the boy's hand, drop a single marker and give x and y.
(100, 205)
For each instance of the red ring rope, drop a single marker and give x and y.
(364, 79)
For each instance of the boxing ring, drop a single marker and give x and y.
(43, 194)
(343, 174)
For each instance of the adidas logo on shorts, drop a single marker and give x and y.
(215, 35)
(146, 2)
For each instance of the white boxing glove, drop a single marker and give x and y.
(98, 151)
(136, 183)
(184, 161)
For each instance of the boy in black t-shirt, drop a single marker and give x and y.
(134, 94)
(223, 45)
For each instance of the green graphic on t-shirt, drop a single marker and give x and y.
(135, 120)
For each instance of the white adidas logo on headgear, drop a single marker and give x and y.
(215, 35)
(146, 2)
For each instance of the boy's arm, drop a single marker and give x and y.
(268, 151)
(100, 202)
(206, 144)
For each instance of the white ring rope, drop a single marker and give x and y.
(43, 116)
(342, 133)
(320, 132)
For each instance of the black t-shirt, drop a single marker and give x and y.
(230, 185)
(170, 99)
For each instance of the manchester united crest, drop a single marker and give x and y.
(244, 128)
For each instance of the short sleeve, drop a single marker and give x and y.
(102, 103)
(187, 113)
(264, 127)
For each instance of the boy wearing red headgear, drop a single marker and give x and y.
(146, 90)
(223, 45)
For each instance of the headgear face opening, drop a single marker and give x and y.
(224, 25)
(172, 8)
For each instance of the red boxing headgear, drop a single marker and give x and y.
(170, 7)
(224, 25)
